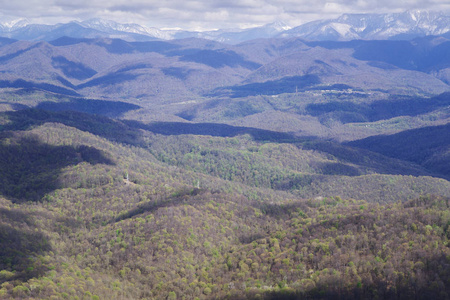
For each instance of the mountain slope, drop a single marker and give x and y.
(396, 26)
(327, 89)
(116, 221)
(264, 159)
(428, 146)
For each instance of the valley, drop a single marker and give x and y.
(275, 168)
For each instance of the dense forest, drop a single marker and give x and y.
(95, 208)
(192, 169)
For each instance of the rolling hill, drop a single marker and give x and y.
(274, 168)
(95, 207)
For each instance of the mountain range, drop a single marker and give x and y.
(397, 26)
(313, 163)
(335, 84)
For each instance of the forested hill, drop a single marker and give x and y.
(190, 169)
(428, 146)
(96, 208)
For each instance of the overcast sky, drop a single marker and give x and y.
(203, 14)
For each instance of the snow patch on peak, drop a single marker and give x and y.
(14, 24)
(278, 25)
(113, 27)
(413, 23)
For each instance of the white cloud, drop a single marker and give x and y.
(204, 14)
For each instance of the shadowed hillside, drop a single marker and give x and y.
(112, 109)
(29, 168)
(20, 240)
(429, 147)
(111, 129)
(212, 129)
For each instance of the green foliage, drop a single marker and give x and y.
(95, 235)
(307, 169)
(172, 296)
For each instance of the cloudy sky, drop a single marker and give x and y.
(203, 14)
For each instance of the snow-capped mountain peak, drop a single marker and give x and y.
(408, 24)
(108, 25)
(14, 24)
(278, 26)
(112, 27)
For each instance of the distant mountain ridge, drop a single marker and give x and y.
(401, 26)
(98, 28)
(307, 87)
(391, 26)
